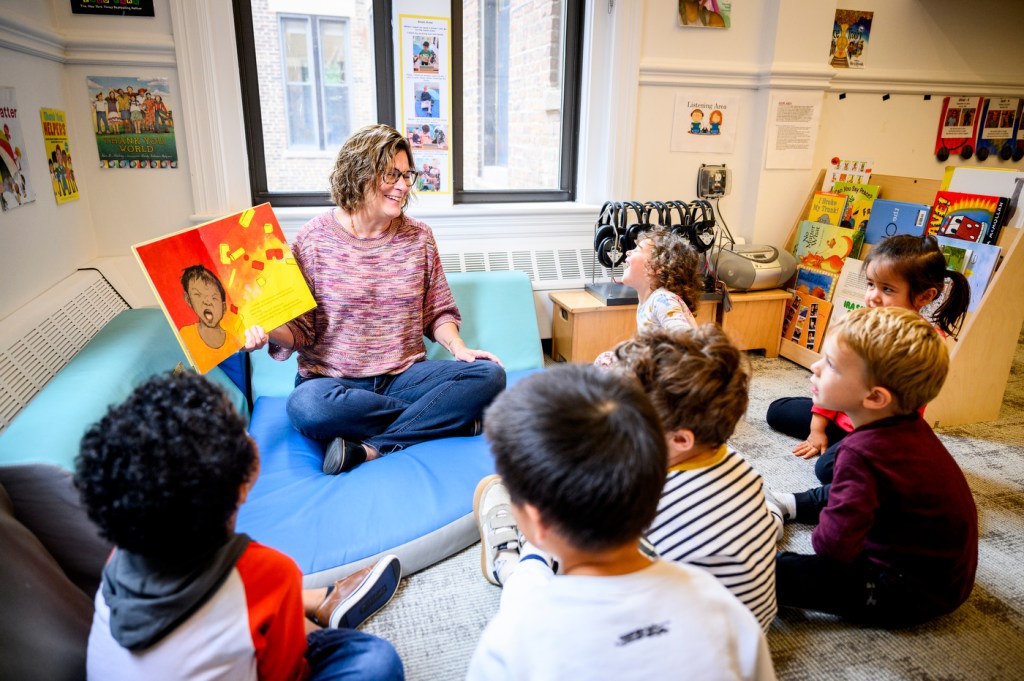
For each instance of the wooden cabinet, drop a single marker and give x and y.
(754, 321)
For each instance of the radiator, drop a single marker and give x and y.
(37, 340)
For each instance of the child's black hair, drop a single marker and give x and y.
(919, 261)
(160, 473)
(585, 448)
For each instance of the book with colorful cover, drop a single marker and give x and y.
(806, 319)
(816, 282)
(889, 218)
(826, 246)
(859, 200)
(990, 182)
(846, 170)
(981, 265)
(827, 207)
(985, 216)
(217, 279)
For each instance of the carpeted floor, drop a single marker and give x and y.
(438, 614)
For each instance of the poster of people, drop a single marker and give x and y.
(705, 121)
(850, 35)
(426, 100)
(58, 155)
(705, 13)
(133, 119)
(17, 189)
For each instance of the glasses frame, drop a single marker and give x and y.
(406, 176)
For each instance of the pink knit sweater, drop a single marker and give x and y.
(376, 299)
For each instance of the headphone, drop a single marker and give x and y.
(701, 230)
(683, 211)
(635, 231)
(608, 235)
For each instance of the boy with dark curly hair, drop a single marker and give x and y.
(712, 512)
(183, 595)
(582, 458)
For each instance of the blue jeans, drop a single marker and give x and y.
(429, 400)
(338, 654)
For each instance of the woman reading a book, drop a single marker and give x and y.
(364, 387)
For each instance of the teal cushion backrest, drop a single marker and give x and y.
(129, 349)
(498, 315)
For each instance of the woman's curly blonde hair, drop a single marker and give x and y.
(362, 160)
(675, 265)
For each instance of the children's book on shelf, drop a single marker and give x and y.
(846, 170)
(215, 280)
(827, 207)
(981, 264)
(992, 182)
(889, 218)
(826, 246)
(806, 319)
(816, 282)
(859, 201)
(957, 255)
(850, 289)
(971, 217)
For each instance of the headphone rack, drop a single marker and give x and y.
(616, 233)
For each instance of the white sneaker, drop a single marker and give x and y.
(499, 536)
(782, 504)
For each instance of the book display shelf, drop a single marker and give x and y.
(981, 357)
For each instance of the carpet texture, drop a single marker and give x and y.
(438, 614)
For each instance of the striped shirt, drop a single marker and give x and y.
(712, 514)
(375, 299)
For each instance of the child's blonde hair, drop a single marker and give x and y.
(674, 265)
(901, 351)
(695, 378)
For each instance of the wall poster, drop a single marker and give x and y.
(705, 121)
(133, 121)
(17, 190)
(58, 155)
(425, 50)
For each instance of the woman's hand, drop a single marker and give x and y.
(255, 338)
(463, 354)
(815, 444)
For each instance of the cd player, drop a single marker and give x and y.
(751, 267)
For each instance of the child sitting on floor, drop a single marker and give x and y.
(183, 596)
(902, 271)
(665, 270)
(582, 460)
(897, 536)
(712, 511)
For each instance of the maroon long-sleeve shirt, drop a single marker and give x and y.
(899, 500)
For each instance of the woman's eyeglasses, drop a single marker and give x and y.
(391, 176)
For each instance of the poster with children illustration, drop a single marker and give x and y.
(705, 122)
(704, 13)
(850, 34)
(133, 119)
(58, 155)
(426, 97)
(17, 189)
(222, 277)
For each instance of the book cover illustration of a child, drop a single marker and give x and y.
(215, 280)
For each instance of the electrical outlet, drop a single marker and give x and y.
(713, 181)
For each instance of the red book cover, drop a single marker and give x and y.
(971, 217)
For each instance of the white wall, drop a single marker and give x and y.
(637, 64)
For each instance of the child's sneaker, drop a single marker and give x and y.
(780, 504)
(499, 536)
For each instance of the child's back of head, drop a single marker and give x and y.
(161, 473)
(675, 265)
(695, 378)
(584, 447)
(901, 352)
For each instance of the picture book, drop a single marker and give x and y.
(889, 218)
(981, 264)
(215, 280)
(826, 246)
(850, 289)
(991, 182)
(806, 319)
(859, 200)
(999, 117)
(816, 282)
(984, 214)
(846, 170)
(958, 257)
(827, 207)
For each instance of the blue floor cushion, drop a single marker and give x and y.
(416, 503)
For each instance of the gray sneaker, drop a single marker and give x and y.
(499, 536)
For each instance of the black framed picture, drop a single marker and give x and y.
(126, 8)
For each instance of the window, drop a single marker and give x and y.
(313, 71)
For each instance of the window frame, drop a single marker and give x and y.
(384, 64)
